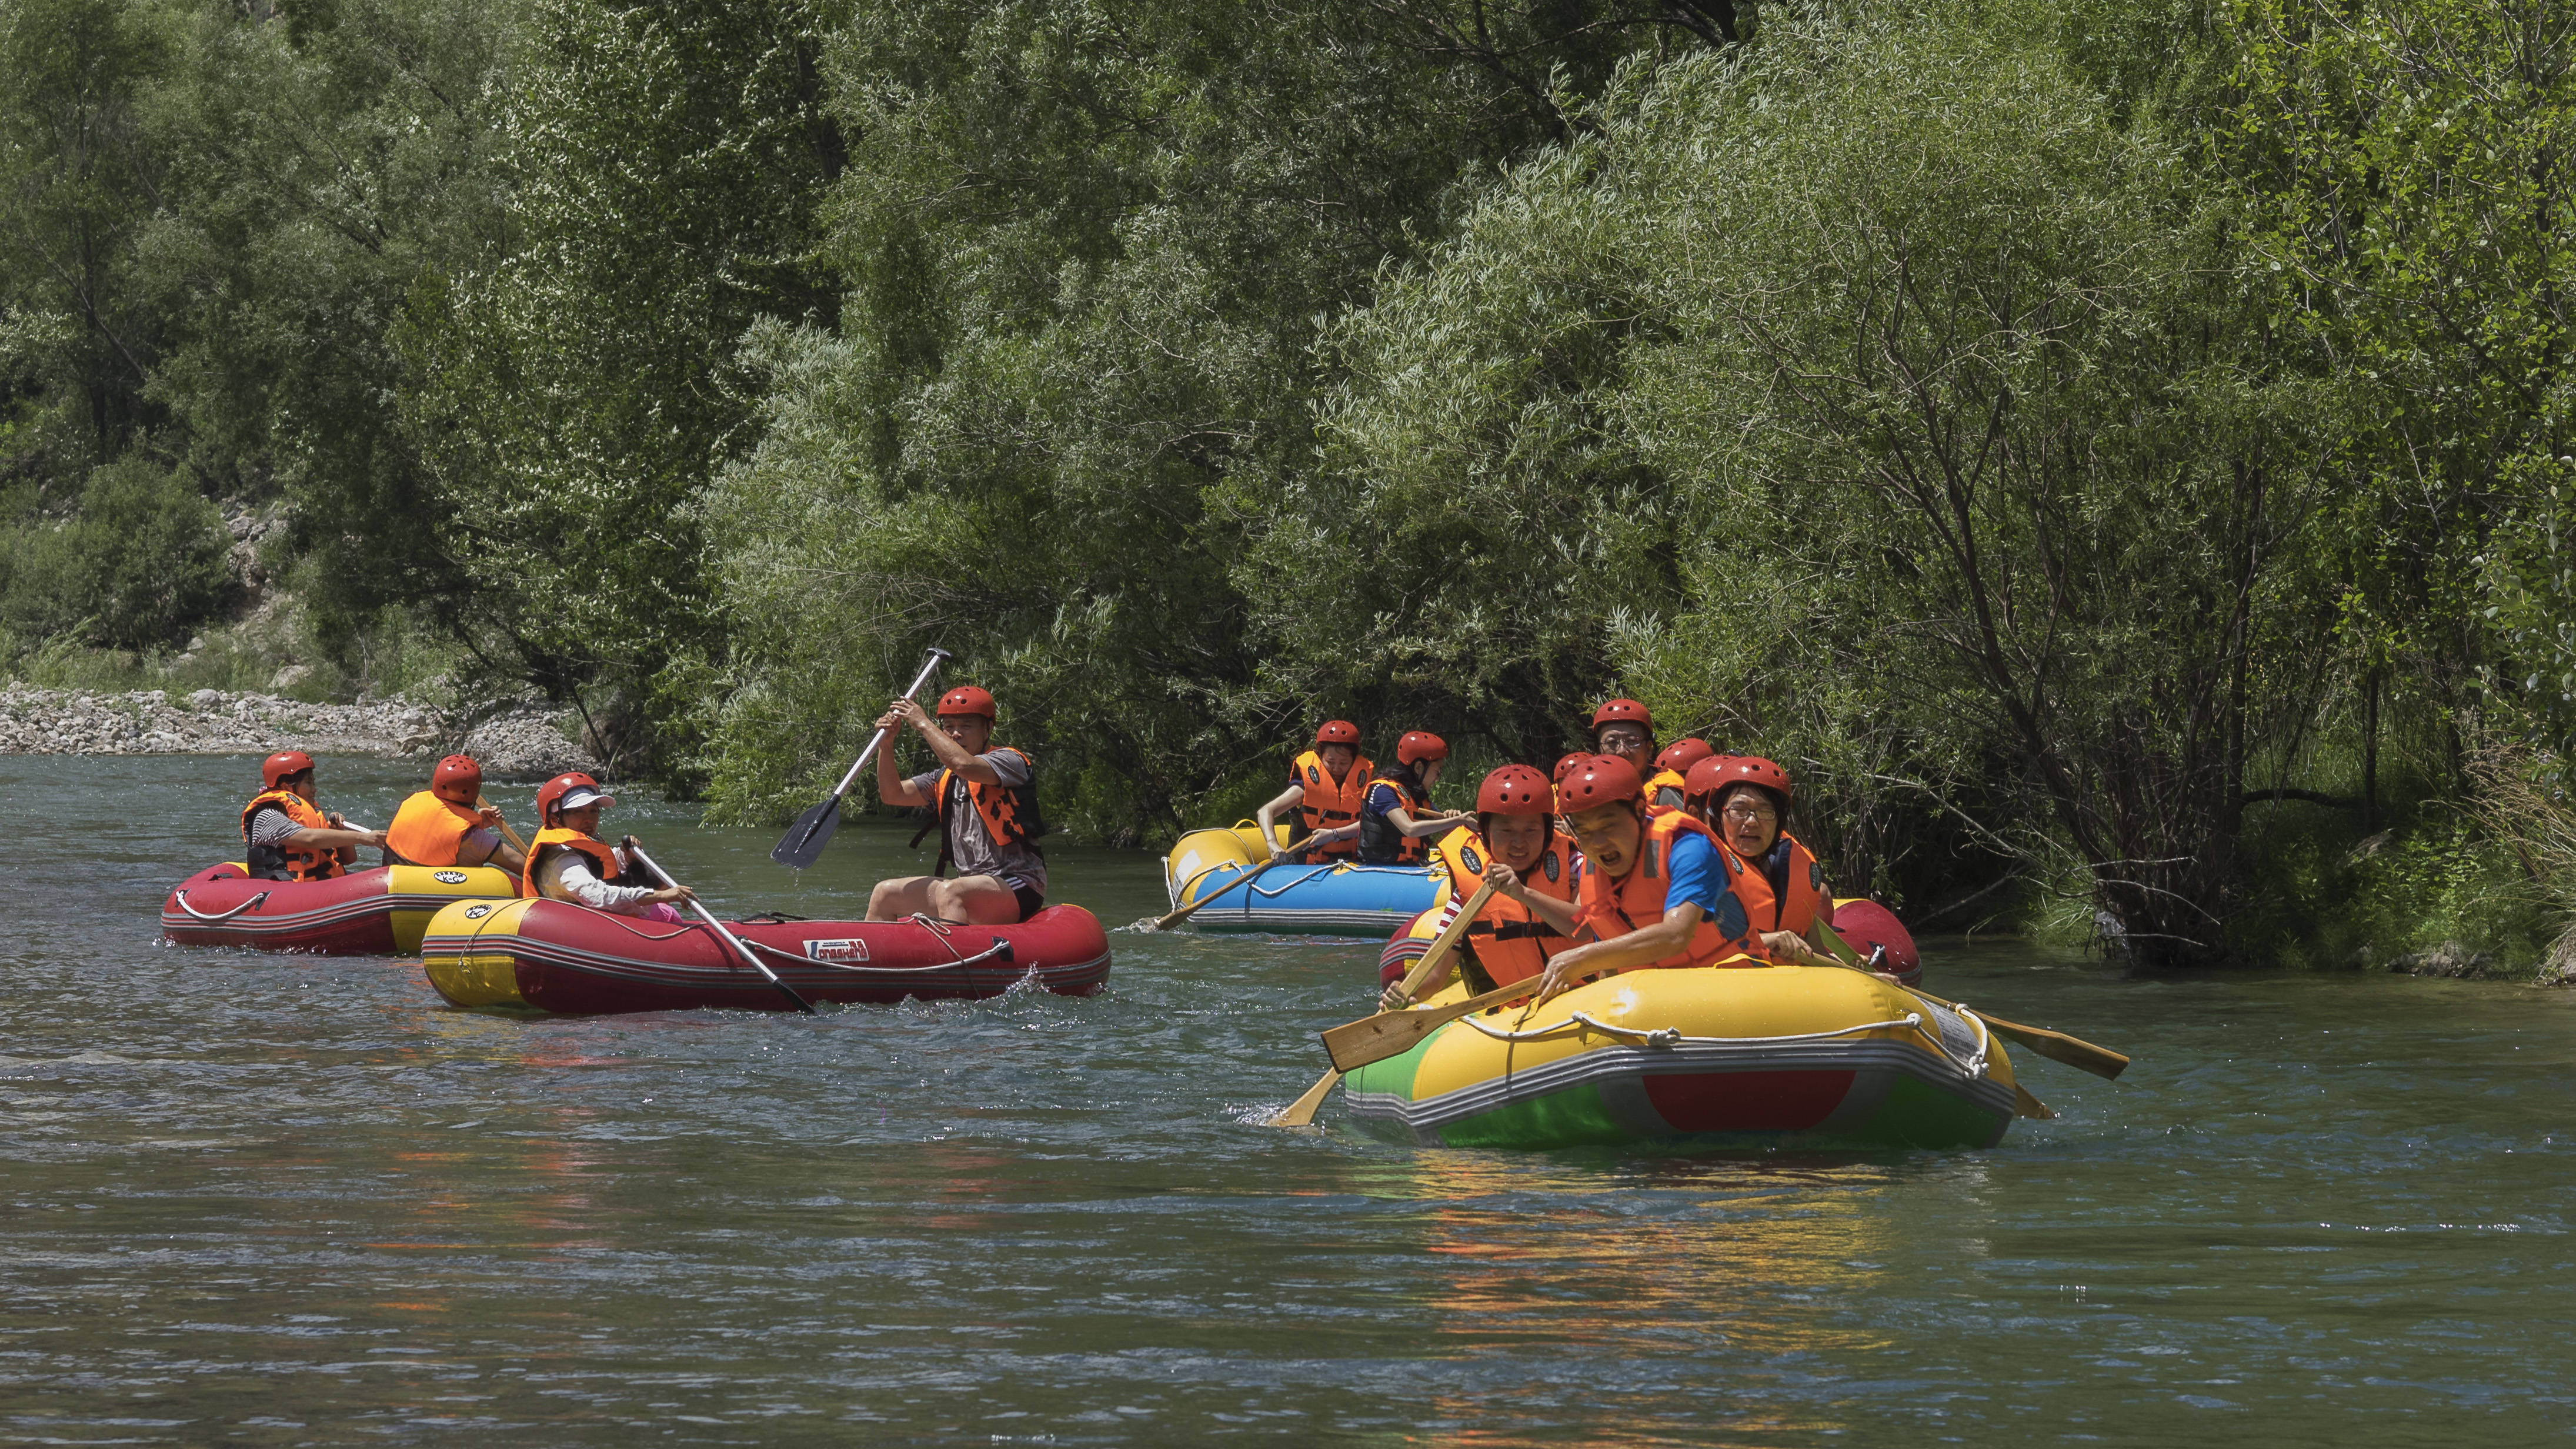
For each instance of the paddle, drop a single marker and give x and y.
(1301, 1112)
(2054, 1045)
(1355, 1044)
(718, 927)
(507, 833)
(804, 841)
(1167, 921)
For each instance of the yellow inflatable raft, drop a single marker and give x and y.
(1821, 1056)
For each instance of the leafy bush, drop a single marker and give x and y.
(141, 560)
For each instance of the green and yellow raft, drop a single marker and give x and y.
(1741, 1054)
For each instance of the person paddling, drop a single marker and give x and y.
(569, 862)
(288, 835)
(1535, 872)
(1326, 786)
(443, 825)
(1396, 818)
(1658, 892)
(1745, 799)
(987, 798)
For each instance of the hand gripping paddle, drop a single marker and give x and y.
(803, 843)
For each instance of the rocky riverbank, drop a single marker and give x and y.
(517, 743)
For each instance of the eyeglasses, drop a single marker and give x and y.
(1752, 814)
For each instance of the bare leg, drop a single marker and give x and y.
(977, 899)
(909, 895)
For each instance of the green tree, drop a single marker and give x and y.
(1088, 252)
(664, 166)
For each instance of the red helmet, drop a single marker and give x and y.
(1515, 790)
(283, 765)
(551, 793)
(1598, 781)
(966, 699)
(1568, 763)
(1705, 777)
(1681, 755)
(1420, 745)
(1749, 770)
(1623, 710)
(1867, 925)
(1338, 732)
(457, 779)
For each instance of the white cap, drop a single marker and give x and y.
(582, 797)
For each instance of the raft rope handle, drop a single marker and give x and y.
(1671, 1036)
(1975, 1066)
(249, 905)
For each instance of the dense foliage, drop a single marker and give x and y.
(2116, 455)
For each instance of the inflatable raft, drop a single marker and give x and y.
(1739, 1055)
(380, 912)
(558, 957)
(1291, 899)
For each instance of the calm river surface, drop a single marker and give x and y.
(273, 1200)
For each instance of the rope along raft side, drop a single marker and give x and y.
(1745, 1054)
(1295, 898)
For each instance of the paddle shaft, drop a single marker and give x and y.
(507, 833)
(1302, 1111)
(929, 667)
(1168, 920)
(718, 927)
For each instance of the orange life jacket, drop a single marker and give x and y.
(429, 830)
(1510, 942)
(1664, 791)
(1010, 811)
(604, 860)
(1329, 804)
(290, 862)
(1380, 842)
(1614, 908)
(1800, 894)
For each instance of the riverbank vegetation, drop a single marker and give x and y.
(2115, 455)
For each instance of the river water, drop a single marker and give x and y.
(269, 1200)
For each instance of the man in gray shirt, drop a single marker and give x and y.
(987, 799)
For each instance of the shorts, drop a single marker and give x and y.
(1031, 899)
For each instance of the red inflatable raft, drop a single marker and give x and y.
(565, 958)
(380, 912)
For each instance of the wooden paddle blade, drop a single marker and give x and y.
(1355, 1044)
(2057, 1046)
(1301, 1113)
(803, 843)
(2026, 1105)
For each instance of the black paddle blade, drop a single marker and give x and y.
(803, 843)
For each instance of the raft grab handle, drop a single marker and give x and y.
(249, 905)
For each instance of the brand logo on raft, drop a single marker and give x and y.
(836, 950)
(476, 913)
(448, 877)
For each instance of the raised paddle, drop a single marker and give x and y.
(803, 843)
(2054, 1045)
(718, 927)
(1301, 1112)
(1169, 920)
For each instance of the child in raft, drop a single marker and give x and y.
(569, 862)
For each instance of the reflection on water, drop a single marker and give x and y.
(256, 1200)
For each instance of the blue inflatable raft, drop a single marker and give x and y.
(1224, 868)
